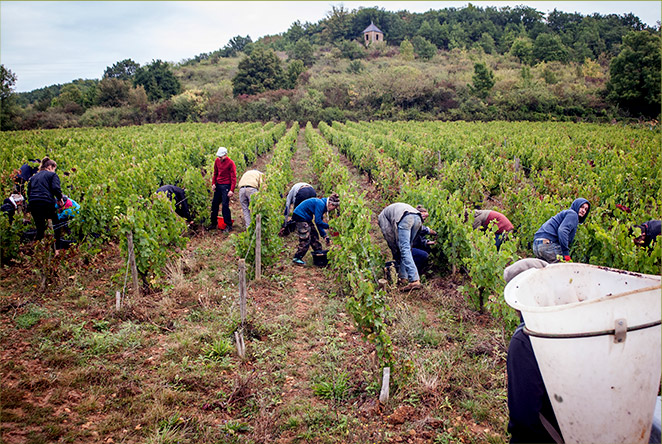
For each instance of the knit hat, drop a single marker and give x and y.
(334, 199)
(222, 151)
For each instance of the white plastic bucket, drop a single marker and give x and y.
(602, 389)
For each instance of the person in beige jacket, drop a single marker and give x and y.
(249, 184)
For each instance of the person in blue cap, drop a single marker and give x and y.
(553, 240)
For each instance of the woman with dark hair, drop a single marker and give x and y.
(553, 240)
(44, 193)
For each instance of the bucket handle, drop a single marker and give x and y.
(619, 332)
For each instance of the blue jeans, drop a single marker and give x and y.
(547, 251)
(420, 259)
(407, 229)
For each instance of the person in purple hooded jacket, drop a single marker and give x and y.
(552, 241)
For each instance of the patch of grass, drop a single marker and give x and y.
(336, 389)
(218, 350)
(30, 318)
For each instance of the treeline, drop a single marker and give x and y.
(522, 65)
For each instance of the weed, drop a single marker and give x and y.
(31, 317)
(233, 427)
(217, 350)
(336, 390)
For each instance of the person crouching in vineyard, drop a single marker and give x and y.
(178, 195)
(223, 182)
(552, 241)
(482, 219)
(649, 232)
(309, 217)
(43, 193)
(400, 224)
(299, 192)
(250, 183)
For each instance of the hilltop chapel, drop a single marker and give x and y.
(372, 34)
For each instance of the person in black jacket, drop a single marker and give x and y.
(649, 232)
(11, 204)
(43, 193)
(177, 195)
(25, 172)
(531, 416)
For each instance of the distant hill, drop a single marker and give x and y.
(470, 63)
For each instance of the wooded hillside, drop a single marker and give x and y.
(452, 64)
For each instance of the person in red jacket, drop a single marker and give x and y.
(483, 218)
(223, 184)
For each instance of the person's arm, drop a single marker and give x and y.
(566, 231)
(319, 221)
(215, 175)
(289, 201)
(233, 176)
(55, 188)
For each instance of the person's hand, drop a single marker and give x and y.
(431, 242)
(328, 240)
(432, 232)
(213, 187)
(230, 193)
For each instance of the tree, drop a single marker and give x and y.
(124, 70)
(550, 48)
(294, 70)
(423, 48)
(483, 80)
(407, 50)
(635, 74)
(303, 51)
(260, 71)
(337, 25)
(158, 80)
(8, 107)
(522, 48)
(112, 92)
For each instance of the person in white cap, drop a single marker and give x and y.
(223, 182)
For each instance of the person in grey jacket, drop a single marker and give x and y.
(400, 223)
(553, 240)
(298, 193)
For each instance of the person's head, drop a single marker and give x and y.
(47, 164)
(17, 198)
(222, 153)
(424, 213)
(582, 207)
(332, 202)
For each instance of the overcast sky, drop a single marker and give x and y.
(46, 43)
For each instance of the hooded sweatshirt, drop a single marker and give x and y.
(389, 219)
(310, 209)
(561, 228)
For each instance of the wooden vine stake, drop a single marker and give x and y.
(258, 247)
(118, 300)
(386, 378)
(239, 335)
(132, 263)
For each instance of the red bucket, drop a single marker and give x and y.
(221, 223)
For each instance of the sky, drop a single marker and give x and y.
(54, 42)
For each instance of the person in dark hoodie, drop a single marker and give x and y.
(552, 241)
(43, 193)
(178, 196)
(649, 232)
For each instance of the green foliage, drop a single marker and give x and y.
(260, 71)
(522, 48)
(407, 50)
(635, 74)
(351, 49)
(549, 48)
(294, 70)
(123, 70)
(157, 232)
(31, 317)
(424, 48)
(158, 80)
(10, 237)
(337, 389)
(483, 80)
(303, 51)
